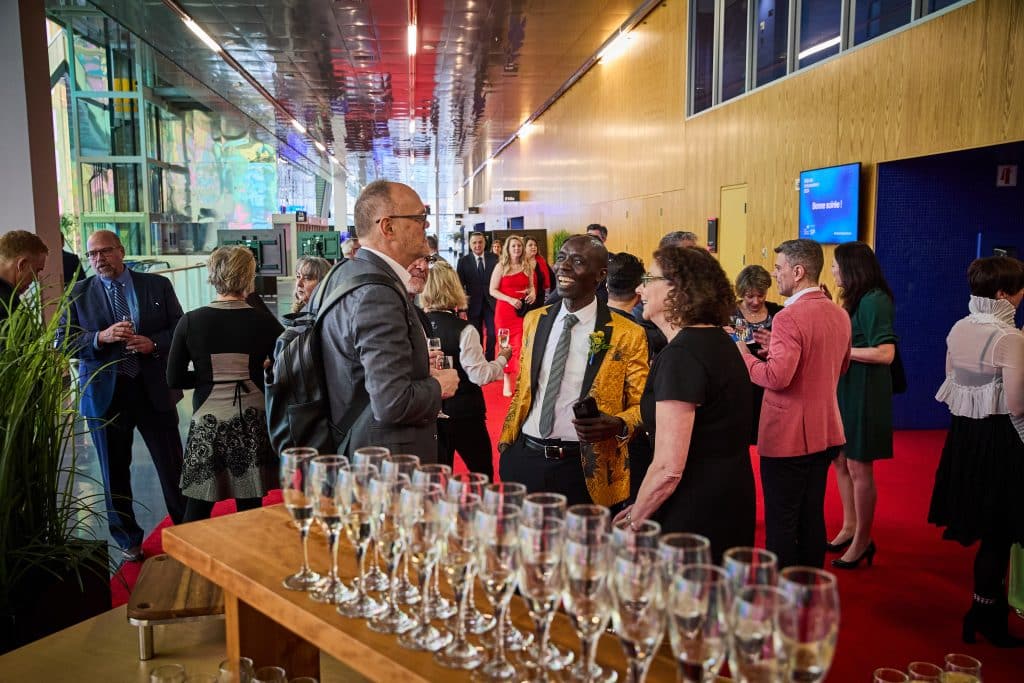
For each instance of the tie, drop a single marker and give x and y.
(480, 264)
(129, 364)
(547, 409)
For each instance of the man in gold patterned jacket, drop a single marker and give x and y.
(572, 350)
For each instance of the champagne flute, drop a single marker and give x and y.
(756, 654)
(810, 623)
(503, 337)
(389, 522)
(444, 363)
(375, 578)
(458, 512)
(583, 522)
(294, 471)
(961, 669)
(437, 606)
(270, 674)
(632, 535)
(680, 549)
(433, 344)
(537, 509)
(638, 607)
(540, 582)
(698, 620)
(330, 490)
(476, 621)
(422, 549)
(887, 675)
(358, 528)
(495, 495)
(497, 561)
(750, 567)
(404, 464)
(586, 595)
(924, 672)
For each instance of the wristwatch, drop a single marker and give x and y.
(624, 435)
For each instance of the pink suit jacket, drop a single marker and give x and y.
(809, 350)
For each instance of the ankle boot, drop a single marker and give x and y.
(988, 617)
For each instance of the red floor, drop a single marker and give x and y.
(906, 607)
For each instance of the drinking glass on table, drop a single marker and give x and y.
(961, 669)
(756, 654)
(677, 550)
(497, 562)
(294, 474)
(423, 549)
(924, 672)
(389, 524)
(810, 623)
(698, 620)
(750, 567)
(270, 674)
(476, 621)
(497, 494)
(583, 522)
(330, 490)
(375, 578)
(168, 673)
(437, 606)
(458, 511)
(887, 675)
(503, 337)
(358, 528)
(541, 580)
(586, 594)
(631, 535)
(201, 678)
(405, 464)
(235, 671)
(638, 606)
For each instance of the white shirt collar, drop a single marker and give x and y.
(792, 299)
(401, 272)
(586, 315)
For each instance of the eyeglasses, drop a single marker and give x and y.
(647, 278)
(418, 217)
(96, 253)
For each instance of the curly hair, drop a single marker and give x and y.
(701, 294)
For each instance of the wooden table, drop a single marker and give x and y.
(249, 553)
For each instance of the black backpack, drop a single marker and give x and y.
(298, 408)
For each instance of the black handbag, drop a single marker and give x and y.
(899, 376)
(523, 309)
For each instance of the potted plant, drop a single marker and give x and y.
(54, 570)
(557, 240)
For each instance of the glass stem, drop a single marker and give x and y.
(502, 612)
(542, 625)
(361, 561)
(332, 546)
(460, 620)
(638, 669)
(425, 574)
(392, 592)
(304, 535)
(588, 652)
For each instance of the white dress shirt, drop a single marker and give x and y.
(572, 380)
(792, 299)
(401, 272)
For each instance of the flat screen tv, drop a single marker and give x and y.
(830, 204)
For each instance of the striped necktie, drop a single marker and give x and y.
(547, 409)
(129, 364)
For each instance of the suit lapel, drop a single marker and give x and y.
(603, 323)
(141, 299)
(540, 342)
(98, 302)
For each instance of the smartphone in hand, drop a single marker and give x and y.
(585, 407)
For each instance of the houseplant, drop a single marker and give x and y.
(557, 240)
(52, 565)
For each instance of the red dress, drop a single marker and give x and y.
(505, 315)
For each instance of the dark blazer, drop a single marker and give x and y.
(72, 266)
(90, 312)
(373, 337)
(478, 288)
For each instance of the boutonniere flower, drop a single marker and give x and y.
(597, 345)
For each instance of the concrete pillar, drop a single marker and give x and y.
(340, 199)
(28, 173)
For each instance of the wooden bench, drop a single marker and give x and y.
(168, 592)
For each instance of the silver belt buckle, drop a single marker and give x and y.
(553, 452)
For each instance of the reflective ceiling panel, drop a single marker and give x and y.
(341, 68)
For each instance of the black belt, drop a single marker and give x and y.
(552, 449)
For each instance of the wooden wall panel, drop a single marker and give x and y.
(618, 149)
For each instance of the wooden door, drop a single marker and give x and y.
(732, 230)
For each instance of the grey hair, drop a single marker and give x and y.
(312, 266)
(753, 278)
(806, 253)
(677, 237)
(375, 198)
(348, 246)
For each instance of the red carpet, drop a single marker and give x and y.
(907, 607)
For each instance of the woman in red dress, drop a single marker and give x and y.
(544, 281)
(512, 287)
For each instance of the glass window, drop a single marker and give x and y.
(876, 17)
(702, 54)
(103, 55)
(107, 127)
(819, 30)
(130, 234)
(734, 48)
(936, 5)
(772, 32)
(107, 188)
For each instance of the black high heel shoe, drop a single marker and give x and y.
(989, 619)
(839, 547)
(868, 555)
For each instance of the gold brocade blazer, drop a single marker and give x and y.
(615, 377)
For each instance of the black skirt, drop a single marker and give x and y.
(979, 484)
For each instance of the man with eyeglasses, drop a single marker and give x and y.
(475, 269)
(383, 390)
(576, 349)
(122, 323)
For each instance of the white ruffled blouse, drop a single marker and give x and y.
(978, 348)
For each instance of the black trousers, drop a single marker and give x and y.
(196, 509)
(794, 507)
(484, 320)
(530, 468)
(468, 437)
(130, 408)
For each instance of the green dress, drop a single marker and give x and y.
(865, 391)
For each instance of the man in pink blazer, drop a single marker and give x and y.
(800, 431)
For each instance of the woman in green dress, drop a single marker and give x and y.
(865, 397)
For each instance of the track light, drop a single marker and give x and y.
(201, 34)
(412, 39)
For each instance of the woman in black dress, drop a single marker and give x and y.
(753, 314)
(228, 452)
(696, 406)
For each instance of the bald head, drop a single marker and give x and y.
(391, 218)
(580, 266)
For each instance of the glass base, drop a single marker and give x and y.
(441, 608)
(331, 591)
(429, 638)
(391, 620)
(376, 580)
(460, 656)
(515, 640)
(405, 592)
(302, 580)
(496, 671)
(363, 607)
(556, 660)
(477, 622)
(597, 674)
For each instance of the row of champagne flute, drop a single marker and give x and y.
(958, 669)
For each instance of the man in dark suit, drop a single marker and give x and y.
(475, 269)
(22, 259)
(379, 375)
(123, 323)
(70, 264)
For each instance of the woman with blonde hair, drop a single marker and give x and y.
(465, 430)
(228, 452)
(513, 291)
(309, 271)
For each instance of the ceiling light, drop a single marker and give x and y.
(412, 41)
(815, 49)
(334, 159)
(615, 48)
(412, 126)
(525, 129)
(298, 126)
(201, 34)
(319, 145)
